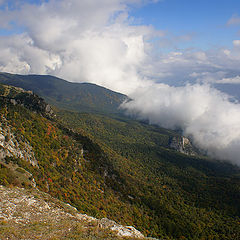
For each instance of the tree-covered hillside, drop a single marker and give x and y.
(84, 97)
(120, 169)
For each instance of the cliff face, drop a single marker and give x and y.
(182, 145)
(11, 146)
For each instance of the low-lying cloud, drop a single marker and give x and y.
(203, 113)
(234, 80)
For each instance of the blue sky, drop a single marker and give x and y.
(171, 41)
(205, 20)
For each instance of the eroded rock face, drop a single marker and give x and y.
(18, 96)
(183, 145)
(12, 147)
(2, 138)
(19, 206)
(21, 210)
(122, 231)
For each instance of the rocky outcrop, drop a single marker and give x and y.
(18, 96)
(121, 231)
(183, 145)
(10, 146)
(27, 210)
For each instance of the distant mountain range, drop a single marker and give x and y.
(83, 97)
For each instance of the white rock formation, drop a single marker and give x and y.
(21, 207)
(12, 147)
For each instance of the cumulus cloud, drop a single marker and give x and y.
(192, 65)
(78, 40)
(98, 42)
(203, 113)
(19, 54)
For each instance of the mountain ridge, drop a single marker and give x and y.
(85, 97)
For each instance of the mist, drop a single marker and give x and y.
(209, 117)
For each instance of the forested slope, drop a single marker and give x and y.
(120, 169)
(84, 97)
(182, 194)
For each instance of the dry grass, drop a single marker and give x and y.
(31, 214)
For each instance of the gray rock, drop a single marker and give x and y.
(122, 231)
(2, 138)
(11, 146)
(13, 101)
(183, 145)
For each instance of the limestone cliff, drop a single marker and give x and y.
(11, 146)
(183, 145)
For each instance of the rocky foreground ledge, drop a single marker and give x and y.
(31, 214)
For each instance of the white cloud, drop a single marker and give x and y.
(236, 43)
(80, 41)
(97, 42)
(202, 112)
(18, 54)
(234, 80)
(191, 65)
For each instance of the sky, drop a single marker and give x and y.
(205, 22)
(167, 55)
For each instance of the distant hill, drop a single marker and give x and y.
(82, 97)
